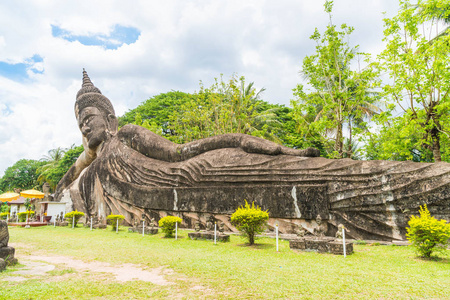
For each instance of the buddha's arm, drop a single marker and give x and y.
(83, 161)
(155, 146)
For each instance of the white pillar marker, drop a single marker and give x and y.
(343, 241)
(276, 233)
(73, 222)
(91, 223)
(117, 226)
(215, 233)
(143, 227)
(176, 230)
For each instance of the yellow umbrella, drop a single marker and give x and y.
(8, 196)
(32, 194)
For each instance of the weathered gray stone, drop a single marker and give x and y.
(208, 235)
(337, 247)
(297, 244)
(147, 230)
(7, 253)
(2, 264)
(321, 245)
(4, 234)
(133, 171)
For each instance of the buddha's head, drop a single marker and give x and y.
(95, 115)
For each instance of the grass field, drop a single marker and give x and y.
(200, 269)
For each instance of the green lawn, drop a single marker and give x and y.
(227, 270)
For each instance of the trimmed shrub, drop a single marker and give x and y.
(69, 217)
(167, 225)
(426, 233)
(3, 215)
(112, 220)
(250, 220)
(23, 215)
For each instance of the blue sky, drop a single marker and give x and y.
(118, 36)
(135, 50)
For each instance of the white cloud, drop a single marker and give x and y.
(181, 42)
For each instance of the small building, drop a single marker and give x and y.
(17, 206)
(53, 209)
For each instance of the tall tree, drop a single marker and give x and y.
(155, 112)
(419, 69)
(23, 174)
(51, 161)
(341, 96)
(226, 107)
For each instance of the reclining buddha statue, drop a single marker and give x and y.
(137, 173)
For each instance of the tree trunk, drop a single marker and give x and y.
(436, 145)
(338, 146)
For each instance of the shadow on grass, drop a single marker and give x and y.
(442, 260)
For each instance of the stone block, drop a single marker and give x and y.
(147, 230)
(208, 235)
(99, 226)
(337, 247)
(2, 264)
(297, 244)
(7, 254)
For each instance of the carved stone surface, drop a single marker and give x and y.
(133, 171)
(4, 234)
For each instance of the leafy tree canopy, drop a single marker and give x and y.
(339, 96)
(23, 174)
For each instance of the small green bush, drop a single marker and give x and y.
(112, 220)
(3, 215)
(69, 217)
(426, 233)
(167, 225)
(23, 215)
(250, 220)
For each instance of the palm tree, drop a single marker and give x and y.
(52, 159)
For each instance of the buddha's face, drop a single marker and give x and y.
(95, 126)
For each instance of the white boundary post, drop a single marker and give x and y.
(343, 241)
(91, 223)
(143, 227)
(73, 222)
(176, 230)
(276, 233)
(117, 226)
(215, 233)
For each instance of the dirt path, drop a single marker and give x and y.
(39, 265)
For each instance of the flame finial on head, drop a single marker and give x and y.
(90, 95)
(87, 86)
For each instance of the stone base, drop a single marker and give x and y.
(2, 264)
(321, 245)
(7, 254)
(208, 235)
(337, 247)
(99, 226)
(147, 230)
